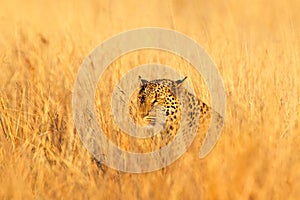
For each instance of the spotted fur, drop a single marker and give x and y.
(166, 95)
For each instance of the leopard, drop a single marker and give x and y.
(171, 98)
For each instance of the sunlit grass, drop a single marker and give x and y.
(255, 45)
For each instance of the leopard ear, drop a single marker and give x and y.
(142, 81)
(180, 82)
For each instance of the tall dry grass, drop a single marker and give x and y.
(256, 47)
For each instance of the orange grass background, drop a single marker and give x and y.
(255, 45)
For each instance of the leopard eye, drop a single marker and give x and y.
(143, 99)
(155, 101)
